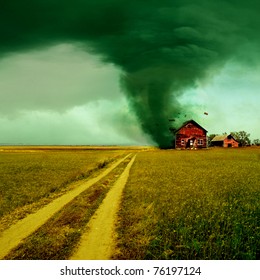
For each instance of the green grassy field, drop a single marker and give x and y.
(29, 174)
(192, 205)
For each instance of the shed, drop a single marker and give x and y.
(190, 135)
(225, 140)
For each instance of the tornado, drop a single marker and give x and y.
(161, 47)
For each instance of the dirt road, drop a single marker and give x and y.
(11, 237)
(99, 240)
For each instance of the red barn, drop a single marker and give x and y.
(190, 136)
(225, 141)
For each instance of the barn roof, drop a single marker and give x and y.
(222, 137)
(193, 122)
(219, 138)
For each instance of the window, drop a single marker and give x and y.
(182, 141)
(200, 141)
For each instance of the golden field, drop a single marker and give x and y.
(192, 205)
(29, 174)
(202, 204)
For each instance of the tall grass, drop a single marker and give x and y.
(60, 235)
(27, 176)
(192, 205)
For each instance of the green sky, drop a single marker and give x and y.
(108, 72)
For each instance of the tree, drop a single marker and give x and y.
(210, 137)
(256, 142)
(242, 137)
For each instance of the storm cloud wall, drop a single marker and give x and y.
(162, 47)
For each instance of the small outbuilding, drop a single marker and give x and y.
(190, 136)
(225, 140)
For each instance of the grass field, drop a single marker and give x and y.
(201, 204)
(192, 205)
(57, 238)
(29, 174)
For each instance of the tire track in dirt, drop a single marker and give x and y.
(11, 237)
(98, 242)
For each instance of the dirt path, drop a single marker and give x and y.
(99, 240)
(11, 237)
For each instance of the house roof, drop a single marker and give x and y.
(193, 122)
(221, 137)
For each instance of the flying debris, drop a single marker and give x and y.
(205, 113)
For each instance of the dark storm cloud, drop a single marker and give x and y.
(162, 47)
